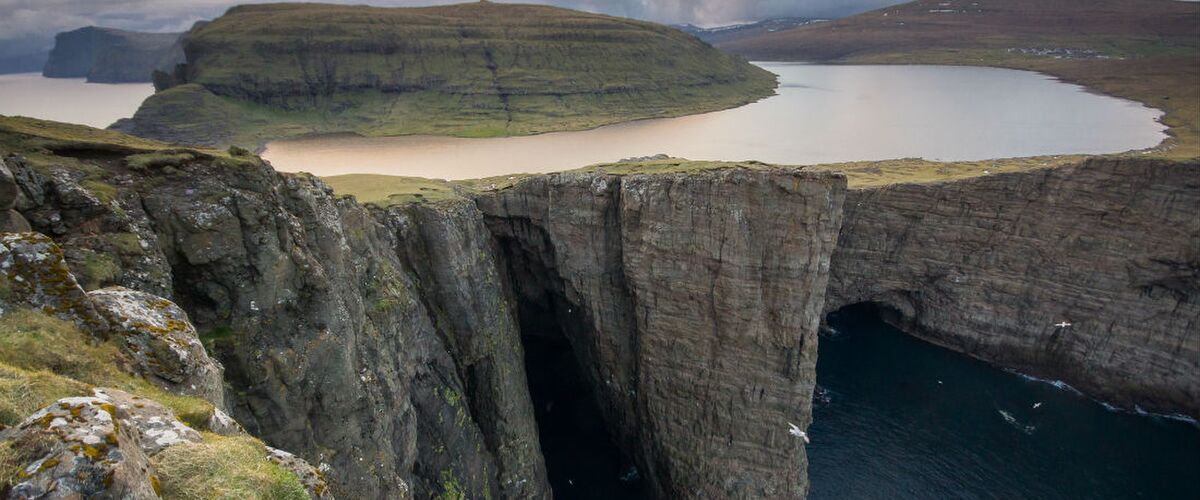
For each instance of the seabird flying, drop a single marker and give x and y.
(795, 431)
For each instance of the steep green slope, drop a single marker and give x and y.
(268, 71)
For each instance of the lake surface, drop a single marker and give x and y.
(70, 100)
(822, 114)
(906, 419)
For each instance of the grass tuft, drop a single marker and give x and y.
(234, 468)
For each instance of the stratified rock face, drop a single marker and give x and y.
(106, 55)
(1089, 274)
(81, 452)
(691, 301)
(473, 69)
(162, 343)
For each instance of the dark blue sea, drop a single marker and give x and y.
(903, 419)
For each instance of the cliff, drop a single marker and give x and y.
(107, 55)
(386, 342)
(990, 266)
(263, 72)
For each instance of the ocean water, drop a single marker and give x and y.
(901, 418)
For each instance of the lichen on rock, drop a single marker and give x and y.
(79, 450)
(34, 274)
(161, 342)
(311, 477)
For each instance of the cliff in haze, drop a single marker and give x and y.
(263, 72)
(107, 55)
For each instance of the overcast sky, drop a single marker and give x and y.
(27, 24)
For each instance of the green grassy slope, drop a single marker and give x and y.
(1145, 50)
(269, 71)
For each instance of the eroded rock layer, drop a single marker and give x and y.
(691, 301)
(1088, 273)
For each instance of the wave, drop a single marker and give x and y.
(1137, 410)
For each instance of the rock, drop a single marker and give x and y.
(34, 274)
(9, 191)
(989, 266)
(161, 342)
(223, 424)
(312, 478)
(11, 221)
(691, 302)
(156, 425)
(455, 259)
(75, 448)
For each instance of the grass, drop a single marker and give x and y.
(1143, 50)
(34, 346)
(265, 72)
(44, 359)
(233, 468)
(389, 190)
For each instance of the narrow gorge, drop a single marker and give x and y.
(391, 343)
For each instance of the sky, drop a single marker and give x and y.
(30, 25)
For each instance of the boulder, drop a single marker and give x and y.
(156, 425)
(161, 342)
(34, 274)
(75, 448)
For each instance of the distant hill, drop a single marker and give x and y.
(724, 34)
(107, 55)
(1147, 50)
(262, 72)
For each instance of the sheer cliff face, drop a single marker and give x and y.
(106, 55)
(691, 301)
(386, 342)
(989, 267)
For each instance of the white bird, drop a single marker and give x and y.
(795, 431)
(1036, 405)
(1064, 324)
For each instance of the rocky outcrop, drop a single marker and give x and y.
(691, 301)
(329, 344)
(107, 55)
(162, 343)
(1088, 273)
(34, 274)
(11, 221)
(77, 449)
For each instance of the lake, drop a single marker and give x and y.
(822, 114)
(904, 419)
(70, 100)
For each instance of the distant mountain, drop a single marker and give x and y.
(722, 34)
(107, 55)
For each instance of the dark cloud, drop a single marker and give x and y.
(33, 23)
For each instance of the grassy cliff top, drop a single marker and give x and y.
(1144, 50)
(263, 72)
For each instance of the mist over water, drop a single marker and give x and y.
(823, 114)
(906, 419)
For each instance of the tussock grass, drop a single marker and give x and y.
(36, 348)
(233, 468)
